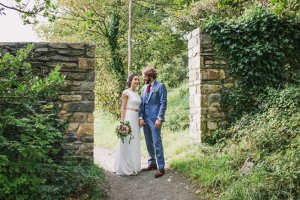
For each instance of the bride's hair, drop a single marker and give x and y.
(130, 78)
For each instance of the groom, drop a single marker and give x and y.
(151, 115)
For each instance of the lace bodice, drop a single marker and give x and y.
(134, 99)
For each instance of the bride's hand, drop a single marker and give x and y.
(141, 122)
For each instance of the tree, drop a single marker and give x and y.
(30, 10)
(195, 13)
(105, 22)
(99, 22)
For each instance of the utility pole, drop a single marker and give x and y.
(129, 35)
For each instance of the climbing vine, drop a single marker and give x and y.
(116, 61)
(261, 50)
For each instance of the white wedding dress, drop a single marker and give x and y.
(128, 156)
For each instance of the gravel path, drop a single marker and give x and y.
(144, 186)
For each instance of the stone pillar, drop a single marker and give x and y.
(194, 84)
(77, 61)
(208, 75)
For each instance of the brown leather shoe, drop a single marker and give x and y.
(149, 168)
(159, 173)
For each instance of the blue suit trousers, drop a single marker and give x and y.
(154, 144)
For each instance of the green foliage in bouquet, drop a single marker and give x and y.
(31, 164)
(124, 130)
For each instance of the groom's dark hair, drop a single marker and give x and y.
(130, 78)
(150, 72)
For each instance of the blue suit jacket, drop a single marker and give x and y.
(156, 102)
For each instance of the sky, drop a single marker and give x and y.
(13, 30)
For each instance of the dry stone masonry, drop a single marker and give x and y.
(77, 61)
(207, 76)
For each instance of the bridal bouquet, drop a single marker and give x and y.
(123, 130)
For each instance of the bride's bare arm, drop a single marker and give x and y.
(123, 107)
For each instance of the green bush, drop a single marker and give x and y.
(31, 164)
(279, 7)
(73, 180)
(261, 51)
(270, 138)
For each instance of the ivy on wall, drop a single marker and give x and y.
(261, 50)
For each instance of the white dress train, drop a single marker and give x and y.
(128, 155)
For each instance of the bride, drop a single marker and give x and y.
(128, 155)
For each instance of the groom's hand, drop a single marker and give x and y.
(141, 122)
(158, 123)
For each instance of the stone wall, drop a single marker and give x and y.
(207, 77)
(77, 61)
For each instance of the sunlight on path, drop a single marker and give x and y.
(105, 158)
(171, 186)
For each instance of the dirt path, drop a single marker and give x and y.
(144, 186)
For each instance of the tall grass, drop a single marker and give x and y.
(270, 138)
(177, 113)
